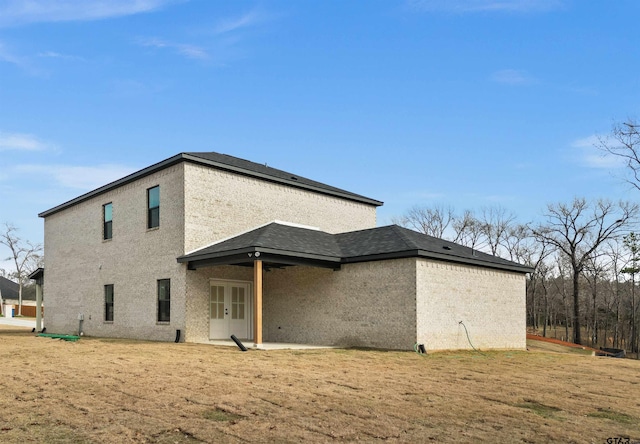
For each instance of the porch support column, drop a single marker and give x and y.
(38, 307)
(257, 303)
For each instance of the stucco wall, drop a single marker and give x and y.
(220, 204)
(490, 303)
(79, 263)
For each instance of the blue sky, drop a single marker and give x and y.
(468, 103)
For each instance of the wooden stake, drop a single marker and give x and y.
(257, 302)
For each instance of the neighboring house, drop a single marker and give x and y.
(8, 288)
(9, 291)
(193, 244)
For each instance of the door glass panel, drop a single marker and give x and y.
(234, 302)
(241, 303)
(217, 302)
(237, 303)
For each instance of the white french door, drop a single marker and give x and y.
(230, 310)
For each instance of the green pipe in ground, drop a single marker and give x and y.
(55, 336)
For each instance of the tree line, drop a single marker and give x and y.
(585, 254)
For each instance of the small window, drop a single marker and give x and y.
(164, 300)
(107, 218)
(108, 302)
(153, 207)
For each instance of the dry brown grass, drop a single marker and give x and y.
(128, 391)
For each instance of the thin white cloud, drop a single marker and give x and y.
(79, 177)
(189, 51)
(57, 55)
(586, 142)
(471, 6)
(17, 12)
(512, 77)
(21, 142)
(251, 18)
(587, 153)
(8, 56)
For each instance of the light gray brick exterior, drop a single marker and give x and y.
(389, 304)
(219, 204)
(198, 205)
(368, 304)
(490, 303)
(78, 262)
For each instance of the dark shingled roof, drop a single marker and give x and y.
(9, 289)
(275, 238)
(277, 242)
(226, 163)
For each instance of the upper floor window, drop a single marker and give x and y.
(153, 207)
(108, 303)
(107, 219)
(164, 300)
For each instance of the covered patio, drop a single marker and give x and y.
(381, 287)
(275, 246)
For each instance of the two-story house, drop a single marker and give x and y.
(203, 245)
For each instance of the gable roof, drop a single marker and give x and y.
(292, 245)
(226, 163)
(9, 289)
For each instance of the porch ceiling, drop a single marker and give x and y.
(247, 256)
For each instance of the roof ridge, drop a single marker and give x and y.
(225, 162)
(258, 240)
(401, 232)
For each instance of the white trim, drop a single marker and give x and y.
(279, 222)
(293, 224)
(230, 280)
(249, 285)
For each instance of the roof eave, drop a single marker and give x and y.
(479, 262)
(438, 256)
(190, 158)
(118, 183)
(248, 255)
(194, 257)
(292, 183)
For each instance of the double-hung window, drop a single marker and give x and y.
(164, 300)
(107, 221)
(153, 207)
(108, 303)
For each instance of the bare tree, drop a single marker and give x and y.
(577, 230)
(24, 254)
(616, 263)
(468, 231)
(433, 221)
(632, 245)
(624, 142)
(534, 255)
(519, 244)
(560, 285)
(594, 271)
(495, 223)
